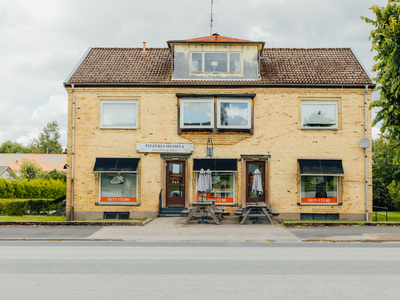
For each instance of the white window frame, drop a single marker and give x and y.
(234, 186)
(234, 100)
(102, 102)
(316, 102)
(195, 100)
(323, 204)
(120, 203)
(203, 63)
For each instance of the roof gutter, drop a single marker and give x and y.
(224, 84)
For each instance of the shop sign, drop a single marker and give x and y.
(118, 199)
(164, 148)
(224, 200)
(319, 201)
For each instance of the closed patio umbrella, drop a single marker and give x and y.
(201, 182)
(257, 185)
(208, 180)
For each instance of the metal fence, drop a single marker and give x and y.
(380, 211)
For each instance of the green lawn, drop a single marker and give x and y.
(393, 216)
(36, 218)
(15, 200)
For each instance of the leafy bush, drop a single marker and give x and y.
(31, 207)
(32, 189)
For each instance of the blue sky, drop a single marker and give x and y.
(41, 41)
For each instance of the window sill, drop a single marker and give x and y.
(122, 128)
(319, 128)
(117, 204)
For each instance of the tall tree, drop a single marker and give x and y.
(385, 173)
(13, 147)
(48, 140)
(29, 170)
(386, 41)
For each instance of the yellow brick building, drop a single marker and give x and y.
(141, 121)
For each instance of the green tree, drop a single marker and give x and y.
(29, 170)
(385, 170)
(386, 41)
(48, 140)
(13, 147)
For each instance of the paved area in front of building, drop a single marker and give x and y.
(172, 229)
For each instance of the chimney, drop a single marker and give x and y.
(144, 47)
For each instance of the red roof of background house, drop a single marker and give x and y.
(48, 162)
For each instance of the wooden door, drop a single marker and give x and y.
(175, 183)
(251, 166)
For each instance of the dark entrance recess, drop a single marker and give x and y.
(175, 183)
(319, 217)
(251, 166)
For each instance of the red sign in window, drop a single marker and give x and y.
(319, 201)
(225, 200)
(118, 199)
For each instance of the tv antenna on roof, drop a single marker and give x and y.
(212, 15)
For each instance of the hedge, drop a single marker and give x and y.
(32, 189)
(30, 207)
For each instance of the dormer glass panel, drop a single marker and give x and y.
(215, 62)
(197, 62)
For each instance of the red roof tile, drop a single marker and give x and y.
(285, 66)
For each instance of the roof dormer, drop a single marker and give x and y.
(215, 57)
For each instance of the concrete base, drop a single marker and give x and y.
(288, 216)
(91, 215)
(355, 217)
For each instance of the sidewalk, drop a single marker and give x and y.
(172, 229)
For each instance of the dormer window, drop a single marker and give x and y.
(215, 62)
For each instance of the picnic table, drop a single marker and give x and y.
(255, 210)
(204, 209)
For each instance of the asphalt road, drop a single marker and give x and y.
(190, 270)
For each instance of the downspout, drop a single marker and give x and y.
(366, 153)
(72, 153)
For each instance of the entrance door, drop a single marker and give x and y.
(175, 183)
(251, 166)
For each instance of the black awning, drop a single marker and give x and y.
(115, 164)
(332, 167)
(215, 164)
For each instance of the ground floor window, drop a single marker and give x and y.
(319, 190)
(118, 188)
(223, 188)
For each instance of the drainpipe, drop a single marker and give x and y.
(366, 153)
(72, 152)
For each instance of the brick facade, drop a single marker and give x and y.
(277, 133)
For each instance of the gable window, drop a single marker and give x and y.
(319, 114)
(216, 62)
(234, 113)
(197, 113)
(119, 114)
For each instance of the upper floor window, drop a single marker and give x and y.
(216, 62)
(233, 113)
(119, 114)
(197, 113)
(319, 114)
(227, 113)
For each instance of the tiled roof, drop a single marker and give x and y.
(3, 169)
(48, 162)
(286, 66)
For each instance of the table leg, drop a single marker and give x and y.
(194, 210)
(266, 214)
(211, 212)
(246, 215)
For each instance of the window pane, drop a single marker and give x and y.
(175, 173)
(197, 62)
(234, 63)
(197, 114)
(175, 191)
(119, 114)
(318, 187)
(216, 62)
(234, 114)
(118, 187)
(319, 115)
(222, 185)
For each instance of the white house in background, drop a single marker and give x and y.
(5, 172)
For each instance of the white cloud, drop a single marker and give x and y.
(375, 133)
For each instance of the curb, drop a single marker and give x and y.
(72, 223)
(338, 224)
